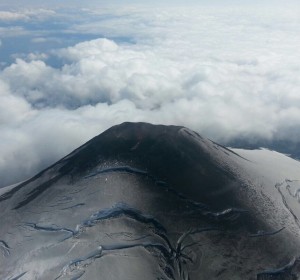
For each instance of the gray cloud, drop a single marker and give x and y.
(226, 73)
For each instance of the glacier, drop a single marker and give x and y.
(144, 201)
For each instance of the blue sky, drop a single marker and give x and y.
(68, 73)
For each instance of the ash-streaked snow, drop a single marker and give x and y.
(154, 202)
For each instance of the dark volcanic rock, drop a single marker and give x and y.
(144, 201)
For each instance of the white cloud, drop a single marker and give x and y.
(12, 108)
(42, 40)
(12, 16)
(25, 15)
(12, 31)
(37, 56)
(225, 73)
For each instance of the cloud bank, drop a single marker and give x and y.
(226, 73)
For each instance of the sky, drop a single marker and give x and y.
(226, 69)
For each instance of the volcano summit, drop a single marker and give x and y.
(144, 201)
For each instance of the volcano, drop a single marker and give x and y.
(144, 201)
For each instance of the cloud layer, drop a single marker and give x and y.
(227, 73)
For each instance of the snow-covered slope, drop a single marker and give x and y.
(154, 202)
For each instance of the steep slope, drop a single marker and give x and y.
(154, 202)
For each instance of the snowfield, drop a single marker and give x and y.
(154, 202)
